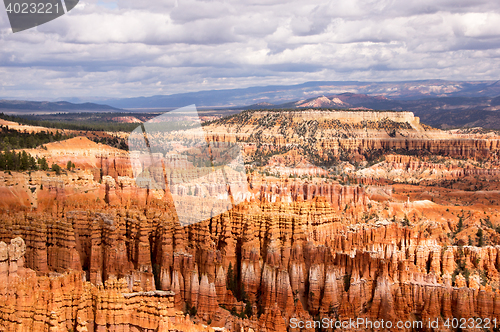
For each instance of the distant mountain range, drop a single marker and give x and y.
(22, 106)
(439, 103)
(280, 94)
(442, 112)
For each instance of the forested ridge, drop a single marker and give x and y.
(22, 161)
(14, 139)
(72, 123)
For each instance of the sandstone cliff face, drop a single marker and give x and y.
(337, 195)
(84, 153)
(90, 251)
(66, 302)
(328, 135)
(11, 263)
(290, 260)
(410, 169)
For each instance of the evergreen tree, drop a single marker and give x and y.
(23, 161)
(480, 239)
(248, 310)
(56, 168)
(460, 225)
(32, 163)
(231, 280)
(43, 164)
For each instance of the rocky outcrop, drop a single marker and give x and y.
(428, 170)
(101, 253)
(284, 259)
(337, 195)
(328, 135)
(11, 263)
(66, 302)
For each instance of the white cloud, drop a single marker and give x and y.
(124, 48)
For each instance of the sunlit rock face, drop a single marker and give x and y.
(398, 225)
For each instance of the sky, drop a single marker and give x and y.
(130, 48)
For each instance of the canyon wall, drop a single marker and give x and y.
(66, 302)
(347, 116)
(89, 250)
(298, 259)
(329, 134)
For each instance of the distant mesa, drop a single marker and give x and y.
(126, 119)
(260, 105)
(323, 102)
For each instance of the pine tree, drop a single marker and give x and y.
(23, 161)
(231, 281)
(56, 168)
(2, 161)
(43, 164)
(32, 164)
(9, 160)
(480, 240)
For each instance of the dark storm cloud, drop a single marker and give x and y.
(130, 48)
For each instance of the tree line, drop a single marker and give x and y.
(14, 139)
(21, 161)
(97, 125)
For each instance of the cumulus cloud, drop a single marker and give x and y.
(131, 48)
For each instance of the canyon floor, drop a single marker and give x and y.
(339, 215)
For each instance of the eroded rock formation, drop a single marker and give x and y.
(286, 260)
(90, 251)
(66, 302)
